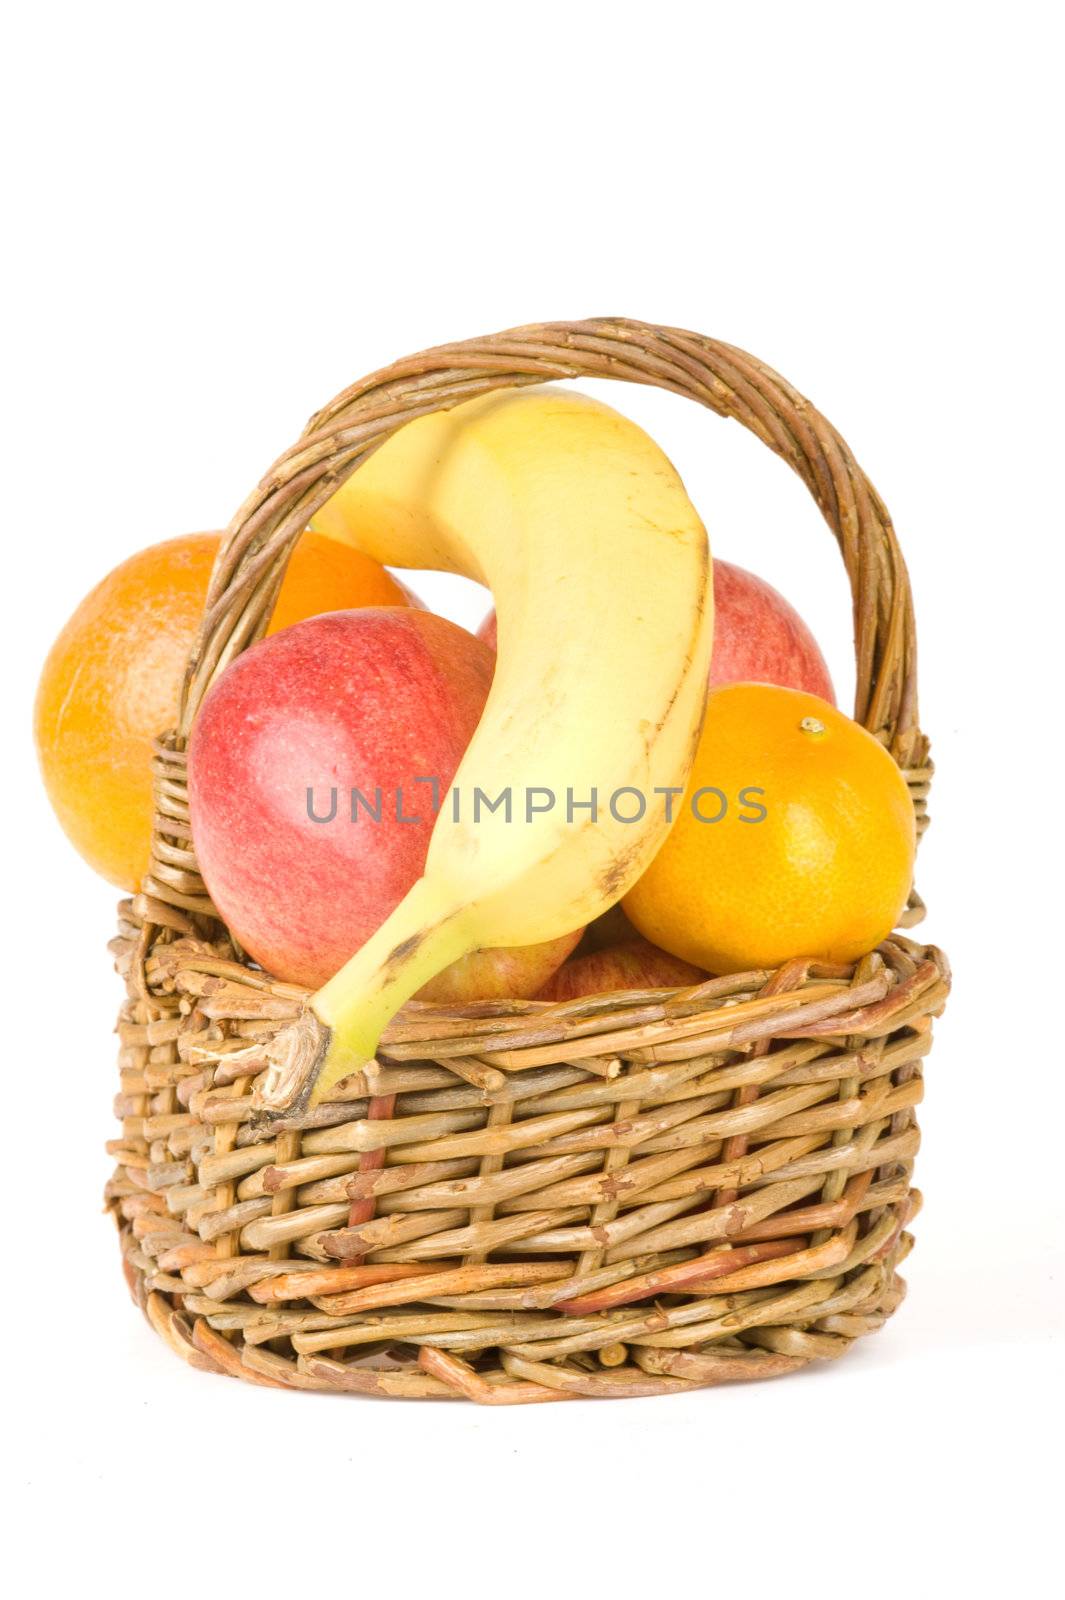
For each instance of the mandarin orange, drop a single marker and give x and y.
(111, 681)
(795, 837)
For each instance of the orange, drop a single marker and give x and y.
(806, 842)
(112, 679)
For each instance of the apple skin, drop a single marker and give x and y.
(759, 637)
(516, 974)
(363, 699)
(636, 964)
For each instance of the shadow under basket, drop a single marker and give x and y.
(627, 1194)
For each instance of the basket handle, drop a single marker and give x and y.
(251, 562)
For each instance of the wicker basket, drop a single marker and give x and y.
(630, 1194)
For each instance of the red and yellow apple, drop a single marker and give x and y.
(313, 767)
(636, 964)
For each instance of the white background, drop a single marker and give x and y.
(218, 215)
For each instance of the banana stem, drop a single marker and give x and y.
(339, 1032)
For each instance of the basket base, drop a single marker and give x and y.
(856, 1304)
(639, 1193)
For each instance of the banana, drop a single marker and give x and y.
(600, 571)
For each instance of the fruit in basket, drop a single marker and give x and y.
(112, 679)
(636, 964)
(314, 765)
(600, 569)
(825, 872)
(499, 974)
(758, 636)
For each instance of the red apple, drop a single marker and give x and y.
(758, 636)
(636, 964)
(372, 701)
(516, 974)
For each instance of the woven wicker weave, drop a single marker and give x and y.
(629, 1194)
